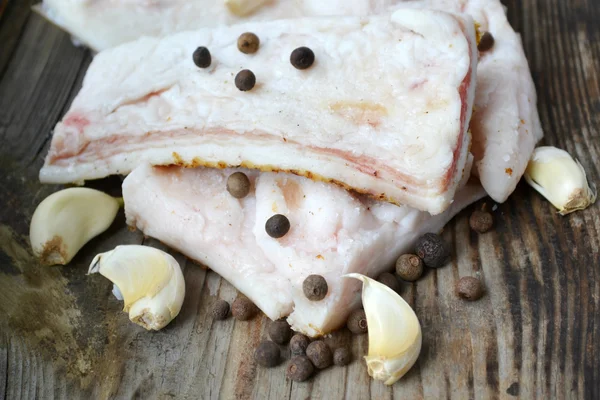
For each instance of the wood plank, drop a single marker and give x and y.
(13, 15)
(536, 333)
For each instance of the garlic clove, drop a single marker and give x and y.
(66, 220)
(243, 7)
(394, 331)
(148, 280)
(560, 179)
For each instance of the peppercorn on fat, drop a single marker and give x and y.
(332, 233)
(383, 110)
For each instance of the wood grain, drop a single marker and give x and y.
(536, 334)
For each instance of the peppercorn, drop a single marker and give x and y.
(238, 185)
(357, 322)
(315, 287)
(341, 356)
(277, 226)
(432, 249)
(319, 354)
(481, 221)
(469, 288)
(267, 354)
(409, 267)
(202, 57)
(486, 42)
(280, 331)
(243, 309)
(299, 369)
(302, 58)
(389, 280)
(220, 310)
(248, 43)
(298, 344)
(245, 80)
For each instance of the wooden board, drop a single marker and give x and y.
(536, 334)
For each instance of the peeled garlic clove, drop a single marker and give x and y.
(148, 280)
(394, 331)
(243, 7)
(68, 219)
(560, 179)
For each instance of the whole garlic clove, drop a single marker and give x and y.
(66, 220)
(560, 179)
(243, 7)
(148, 280)
(394, 331)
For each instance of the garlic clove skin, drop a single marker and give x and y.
(560, 179)
(395, 336)
(243, 7)
(66, 220)
(149, 281)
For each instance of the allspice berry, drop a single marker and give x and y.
(481, 221)
(202, 57)
(277, 226)
(248, 43)
(357, 322)
(299, 369)
(319, 354)
(432, 249)
(341, 356)
(302, 58)
(469, 288)
(267, 354)
(298, 344)
(315, 287)
(245, 80)
(220, 310)
(238, 185)
(243, 309)
(409, 267)
(280, 331)
(486, 42)
(389, 280)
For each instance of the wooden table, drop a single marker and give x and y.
(536, 334)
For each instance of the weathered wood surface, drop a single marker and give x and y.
(535, 335)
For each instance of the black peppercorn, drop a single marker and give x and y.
(432, 249)
(389, 280)
(248, 43)
(220, 310)
(243, 309)
(319, 354)
(245, 80)
(486, 42)
(341, 356)
(238, 185)
(409, 267)
(277, 226)
(280, 331)
(299, 369)
(315, 287)
(298, 344)
(302, 58)
(470, 288)
(202, 57)
(357, 322)
(481, 221)
(267, 354)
